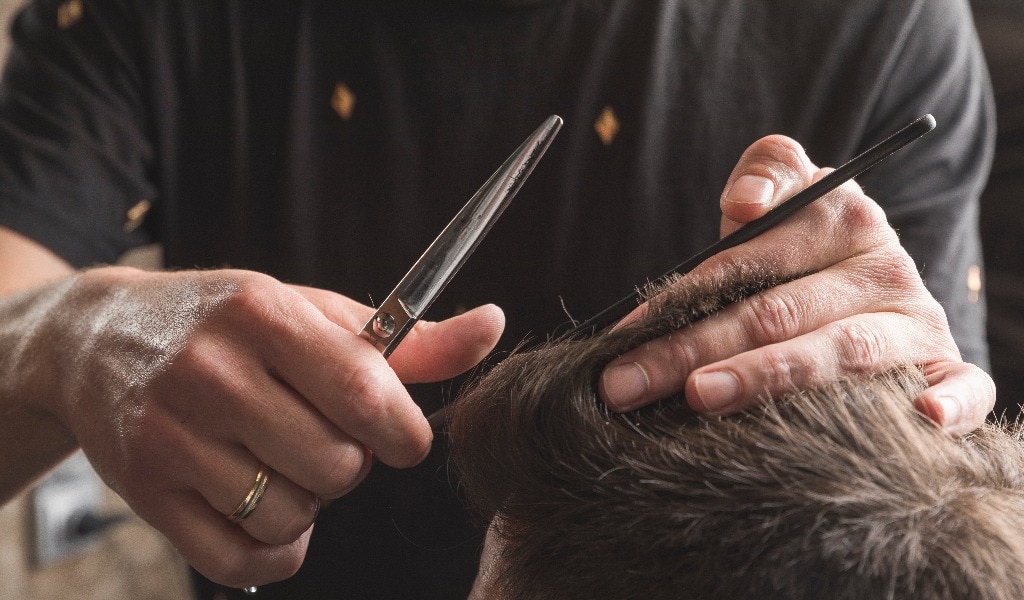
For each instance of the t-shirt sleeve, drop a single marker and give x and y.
(931, 190)
(76, 161)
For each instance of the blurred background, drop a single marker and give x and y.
(74, 538)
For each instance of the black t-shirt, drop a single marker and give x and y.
(327, 142)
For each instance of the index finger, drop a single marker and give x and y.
(433, 350)
(348, 381)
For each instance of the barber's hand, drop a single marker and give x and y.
(179, 386)
(861, 307)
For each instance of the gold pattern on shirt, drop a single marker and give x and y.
(343, 101)
(69, 13)
(136, 214)
(607, 126)
(974, 284)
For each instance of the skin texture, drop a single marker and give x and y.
(177, 385)
(484, 586)
(858, 306)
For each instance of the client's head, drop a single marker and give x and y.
(839, 492)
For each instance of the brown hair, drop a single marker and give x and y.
(840, 492)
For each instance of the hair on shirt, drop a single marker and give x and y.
(844, 491)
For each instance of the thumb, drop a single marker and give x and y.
(434, 351)
(769, 171)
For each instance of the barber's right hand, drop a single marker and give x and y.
(179, 386)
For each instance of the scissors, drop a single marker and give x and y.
(854, 167)
(449, 251)
(435, 268)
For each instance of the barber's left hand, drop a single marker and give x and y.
(860, 307)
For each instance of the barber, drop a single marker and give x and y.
(288, 141)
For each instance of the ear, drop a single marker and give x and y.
(484, 587)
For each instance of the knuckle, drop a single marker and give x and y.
(288, 564)
(234, 569)
(931, 313)
(898, 273)
(859, 347)
(418, 447)
(342, 473)
(264, 300)
(773, 317)
(292, 528)
(254, 305)
(779, 371)
(249, 292)
(408, 452)
(860, 213)
(238, 563)
(683, 352)
(241, 570)
(781, 150)
(366, 391)
(897, 270)
(202, 359)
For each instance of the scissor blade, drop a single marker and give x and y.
(442, 260)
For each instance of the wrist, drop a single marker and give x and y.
(33, 438)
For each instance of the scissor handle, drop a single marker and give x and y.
(388, 326)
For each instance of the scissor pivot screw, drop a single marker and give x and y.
(384, 325)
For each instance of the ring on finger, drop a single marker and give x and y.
(253, 497)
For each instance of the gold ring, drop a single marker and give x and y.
(253, 497)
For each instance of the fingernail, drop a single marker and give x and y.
(625, 385)
(751, 189)
(716, 390)
(950, 410)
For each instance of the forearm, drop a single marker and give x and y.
(31, 440)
